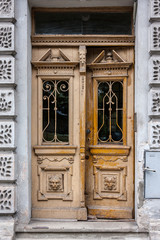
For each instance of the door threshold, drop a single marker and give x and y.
(78, 226)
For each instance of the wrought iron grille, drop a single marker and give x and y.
(55, 111)
(110, 111)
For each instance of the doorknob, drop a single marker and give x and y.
(88, 131)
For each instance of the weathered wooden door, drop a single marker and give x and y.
(82, 132)
(110, 134)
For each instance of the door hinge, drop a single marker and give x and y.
(135, 122)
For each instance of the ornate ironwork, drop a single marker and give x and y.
(55, 102)
(110, 111)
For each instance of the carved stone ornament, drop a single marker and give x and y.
(110, 183)
(154, 134)
(7, 167)
(6, 134)
(6, 37)
(154, 102)
(7, 200)
(155, 36)
(155, 8)
(7, 65)
(154, 70)
(6, 8)
(7, 106)
(55, 183)
(40, 159)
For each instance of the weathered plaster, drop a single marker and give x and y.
(23, 109)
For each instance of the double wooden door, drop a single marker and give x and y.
(82, 132)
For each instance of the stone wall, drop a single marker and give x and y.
(7, 119)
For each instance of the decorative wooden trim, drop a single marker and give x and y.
(109, 65)
(87, 40)
(82, 87)
(84, 9)
(110, 150)
(52, 64)
(54, 150)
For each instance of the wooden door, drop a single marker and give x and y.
(110, 133)
(77, 169)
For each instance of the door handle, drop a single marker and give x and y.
(149, 169)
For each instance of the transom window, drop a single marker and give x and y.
(81, 22)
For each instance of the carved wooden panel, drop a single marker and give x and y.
(55, 183)
(110, 182)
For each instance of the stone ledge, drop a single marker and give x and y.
(75, 226)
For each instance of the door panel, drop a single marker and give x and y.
(82, 132)
(109, 142)
(56, 175)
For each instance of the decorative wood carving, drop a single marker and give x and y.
(109, 159)
(40, 159)
(110, 182)
(49, 59)
(55, 183)
(109, 63)
(83, 40)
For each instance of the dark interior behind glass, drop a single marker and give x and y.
(83, 23)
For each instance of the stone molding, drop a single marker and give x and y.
(154, 76)
(7, 117)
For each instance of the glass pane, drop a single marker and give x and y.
(55, 111)
(110, 112)
(82, 23)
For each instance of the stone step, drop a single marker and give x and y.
(82, 236)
